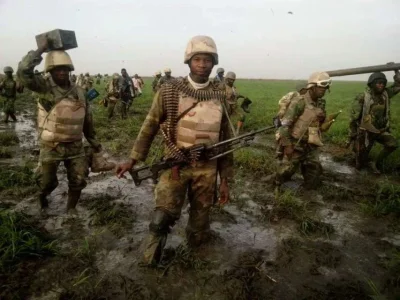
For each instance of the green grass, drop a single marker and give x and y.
(8, 138)
(6, 152)
(21, 239)
(16, 176)
(386, 201)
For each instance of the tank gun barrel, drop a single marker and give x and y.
(363, 70)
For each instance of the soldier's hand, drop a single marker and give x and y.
(125, 167)
(288, 151)
(396, 76)
(223, 191)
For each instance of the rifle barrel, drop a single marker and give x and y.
(363, 70)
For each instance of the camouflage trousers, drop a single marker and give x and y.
(73, 156)
(307, 159)
(198, 183)
(123, 107)
(111, 108)
(9, 108)
(366, 140)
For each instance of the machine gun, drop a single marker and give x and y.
(363, 70)
(201, 152)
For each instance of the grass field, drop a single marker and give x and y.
(265, 95)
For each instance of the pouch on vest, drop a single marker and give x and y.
(92, 94)
(314, 136)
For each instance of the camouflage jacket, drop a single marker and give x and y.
(154, 84)
(8, 88)
(379, 116)
(157, 116)
(163, 80)
(293, 112)
(43, 88)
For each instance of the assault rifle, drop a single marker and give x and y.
(201, 151)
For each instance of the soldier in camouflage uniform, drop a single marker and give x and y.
(87, 83)
(369, 123)
(155, 81)
(198, 103)
(112, 95)
(127, 93)
(219, 78)
(166, 78)
(299, 134)
(232, 97)
(8, 89)
(64, 117)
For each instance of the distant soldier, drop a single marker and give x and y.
(87, 82)
(73, 78)
(197, 103)
(64, 118)
(232, 98)
(8, 89)
(127, 92)
(166, 78)
(220, 76)
(369, 123)
(79, 80)
(300, 133)
(155, 81)
(98, 79)
(113, 95)
(137, 83)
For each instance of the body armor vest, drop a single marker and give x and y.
(10, 88)
(64, 122)
(201, 124)
(309, 116)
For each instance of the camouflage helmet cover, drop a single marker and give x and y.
(220, 70)
(321, 79)
(201, 44)
(376, 76)
(167, 70)
(57, 58)
(115, 76)
(230, 75)
(158, 73)
(8, 69)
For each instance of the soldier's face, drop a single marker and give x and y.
(168, 74)
(229, 81)
(60, 74)
(8, 74)
(221, 74)
(123, 73)
(319, 91)
(379, 86)
(201, 65)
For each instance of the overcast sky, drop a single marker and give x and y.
(255, 38)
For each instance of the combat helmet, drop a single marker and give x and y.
(115, 76)
(167, 70)
(201, 44)
(8, 69)
(220, 70)
(158, 73)
(230, 75)
(376, 76)
(320, 79)
(57, 58)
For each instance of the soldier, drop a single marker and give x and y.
(137, 83)
(220, 75)
(127, 92)
(87, 82)
(166, 78)
(64, 118)
(232, 97)
(9, 88)
(73, 78)
(79, 80)
(369, 123)
(98, 79)
(299, 135)
(155, 81)
(180, 107)
(112, 95)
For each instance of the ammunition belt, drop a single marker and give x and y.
(170, 96)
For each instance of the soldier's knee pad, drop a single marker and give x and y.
(160, 222)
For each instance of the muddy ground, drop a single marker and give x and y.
(324, 244)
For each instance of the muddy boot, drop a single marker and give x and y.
(73, 198)
(43, 205)
(13, 117)
(100, 164)
(374, 168)
(154, 249)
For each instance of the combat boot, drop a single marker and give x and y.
(43, 204)
(100, 164)
(314, 136)
(73, 198)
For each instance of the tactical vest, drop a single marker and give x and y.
(310, 115)
(201, 124)
(64, 122)
(10, 88)
(379, 112)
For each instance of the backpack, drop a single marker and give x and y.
(283, 104)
